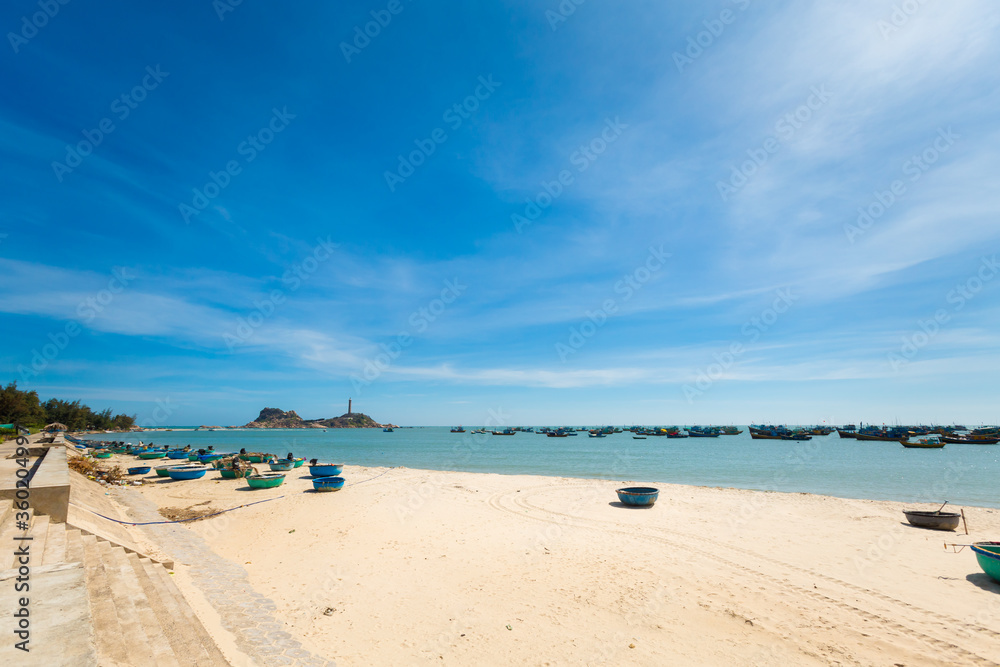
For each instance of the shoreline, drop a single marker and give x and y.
(485, 568)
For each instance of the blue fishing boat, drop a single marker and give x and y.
(177, 454)
(325, 469)
(283, 465)
(187, 472)
(139, 470)
(638, 496)
(328, 483)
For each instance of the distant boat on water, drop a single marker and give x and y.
(458, 430)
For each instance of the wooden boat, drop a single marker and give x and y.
(879, 437)
(187, 472)
(933, 520)
(988, 555)
(506, 431)
(845, 433)
(328, 483)
(638, 496)
(325, 469)
(268, 480)
(924, 443)
(556, 434)
(458, 430)
(969, 440)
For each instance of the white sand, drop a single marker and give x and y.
(425, 567)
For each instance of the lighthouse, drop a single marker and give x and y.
(348, 407)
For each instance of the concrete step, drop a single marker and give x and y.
(168, 612)
(62, 632)
(209, 653)
(55, 544)
(107, 629)
(39, 534)
(8, 534)
(74, 546)
(130, 590)
(137, 648)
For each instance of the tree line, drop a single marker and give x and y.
(25, 408)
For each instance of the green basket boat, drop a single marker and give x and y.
(161, 471)
(146, 456)
(267, 480)
(102, 455)
(193, 457)
(298, 463)
(988, 555)
(234, 474)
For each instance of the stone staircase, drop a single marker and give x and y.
(94, 603)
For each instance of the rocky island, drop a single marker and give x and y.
(275, 418)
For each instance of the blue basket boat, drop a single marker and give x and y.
(328, 483)
(140, 470)
(284, 465)
(326, 469)
(177, 454)
(187, 472)
(638, 496)
(208, 458)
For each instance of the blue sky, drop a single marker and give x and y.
(631, 213)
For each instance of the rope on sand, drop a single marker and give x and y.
(207, 516)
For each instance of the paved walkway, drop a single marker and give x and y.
(244, 612)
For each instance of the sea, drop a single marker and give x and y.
(828, 465)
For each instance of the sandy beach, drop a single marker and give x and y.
(420, 567)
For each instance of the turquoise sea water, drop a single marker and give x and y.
(830, 465)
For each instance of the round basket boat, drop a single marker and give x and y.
(255, 458)
(933, 520)
(299, 462)
(161, 471)
(208, 458)
(284, 465)
(192, 456)
(267, 480)
(326, 469)
(187, 472)
(328, 483)
(988, 555)
(102, 455)
(229, 473)
(149, 456)
(177, 454)
(638, 496)
(139, 470)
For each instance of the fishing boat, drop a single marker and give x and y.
(387, 429)
(638, 437)
(880, 437)
(325, 469)
(557, 434)
(458, 430)
(139, 470)
(847, 432)
(988, 555)
(596, 435)
(256, 457)
(187, 472)
(148, 456)
(924, 443)
(934, 520)
(232, 473)
(638, 496)
(506, 431)
(970, 440)
(102, 455)
(731, 430)
(177, 454)
(328, 483)
(267, 480)
(480, 431)
(284, 465)
(161, 471)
